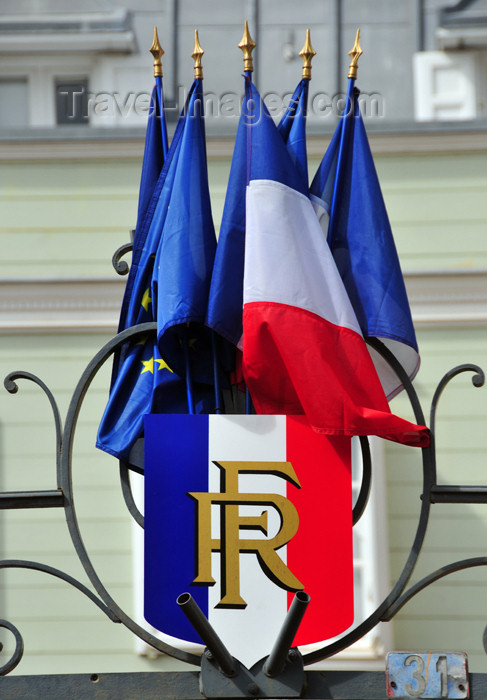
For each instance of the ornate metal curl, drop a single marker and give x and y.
(121, 267)
(128, 495)
(64, 450)
(18, 651)
(478, 380)
(11, 386)
(397, 597)
(70, 512)
(431, 578)
(364, 493)
(45, 569)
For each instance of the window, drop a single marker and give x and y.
(72, 102)
(14, 102)
(57, 53)
(446, 85)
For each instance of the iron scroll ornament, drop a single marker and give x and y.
(64, 496)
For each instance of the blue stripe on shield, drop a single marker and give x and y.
(176, 462)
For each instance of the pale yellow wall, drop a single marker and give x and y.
(63, 218)
(438, 207)
(67, 218)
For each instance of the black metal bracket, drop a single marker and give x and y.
(280, 675)
(254, 682)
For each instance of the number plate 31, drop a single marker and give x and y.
(428, 675)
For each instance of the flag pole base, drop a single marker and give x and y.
(253, 683)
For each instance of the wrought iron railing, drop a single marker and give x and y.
(216, 683)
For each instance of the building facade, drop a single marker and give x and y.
(74, 88)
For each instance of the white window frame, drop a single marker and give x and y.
(119, 88)
(457, 100)
(42, 75)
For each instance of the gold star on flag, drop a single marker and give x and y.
(162, 364)
(191, 343)
(148, 365)
(146, 299)
(143, 340)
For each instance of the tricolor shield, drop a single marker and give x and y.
(241, 512)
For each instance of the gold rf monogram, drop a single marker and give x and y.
(231, 522)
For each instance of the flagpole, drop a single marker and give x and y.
(247, 45)
(157, 51)
(198, 75)
(307, 53)
(354, 54)
(189, 376)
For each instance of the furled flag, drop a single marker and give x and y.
(145, 381)
(346, 188)
(144, 384)
(184, 259)
(303, 351)
(292, 128)
(226, 292)
(155, 152)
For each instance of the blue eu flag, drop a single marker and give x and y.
(168, 283)
(292, 128)
(347, 188)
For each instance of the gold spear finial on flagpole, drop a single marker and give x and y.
(355, 54)
(197, 55)
(157, 51)
(247, 45)
(307, 53)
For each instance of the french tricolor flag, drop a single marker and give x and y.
(239, 485)
(303, 350)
